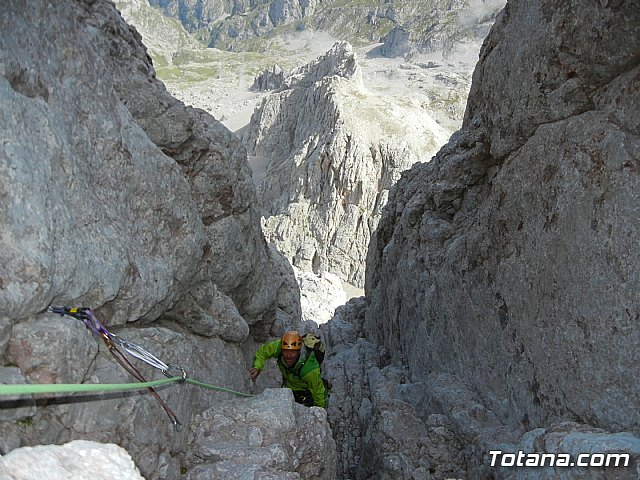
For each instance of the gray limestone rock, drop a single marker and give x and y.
(268, 435)
(609, 455)
(396, 43)
(78, 174)
(80, 459)
(570, 73)
(432, 25)
(215, 164)
(345, 365)
(339, 61)
(269, 79)
(206, 311)
(320, 295)
(118, 197)
(332, 150)
(137, 421)
(283, 11)
(35, 348)
(14, 407)
(5, 334)
(508, 261)
(194, 13)
(387, 425)
(440, 28)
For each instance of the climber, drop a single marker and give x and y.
(300, 370)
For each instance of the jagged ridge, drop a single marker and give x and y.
(332, 149)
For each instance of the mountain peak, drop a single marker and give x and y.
(339, 61)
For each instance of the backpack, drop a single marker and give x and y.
(312, 343)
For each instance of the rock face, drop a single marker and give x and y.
(320, 295)
(168, 35)
(269, 79)
(203, 14)
(214, 163)
(388, 425)
(508, 261)
(206, 186)
(118, 197)
(384, 425)
(267, 436)
(396, 43)
(332, 150)
(195, 13)
(78, 229)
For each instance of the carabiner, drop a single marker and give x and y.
(182, 373)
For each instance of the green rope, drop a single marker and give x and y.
(212, 387)
(30, 389)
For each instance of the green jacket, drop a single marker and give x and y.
(304, 375)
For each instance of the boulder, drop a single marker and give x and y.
(266, 436)
(80, 459)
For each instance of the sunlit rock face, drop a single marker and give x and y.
(118, 197)
(331, 150)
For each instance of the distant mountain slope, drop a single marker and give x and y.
(418, 78)
(432, 47)
(202, 77)
(429, 25)
(162, 34)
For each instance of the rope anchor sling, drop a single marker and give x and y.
(112, 342)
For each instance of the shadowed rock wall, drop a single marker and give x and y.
(510, 260)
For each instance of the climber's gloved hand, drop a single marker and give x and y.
(253, 373)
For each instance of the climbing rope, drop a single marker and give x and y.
(46, 388)
(112, 342)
